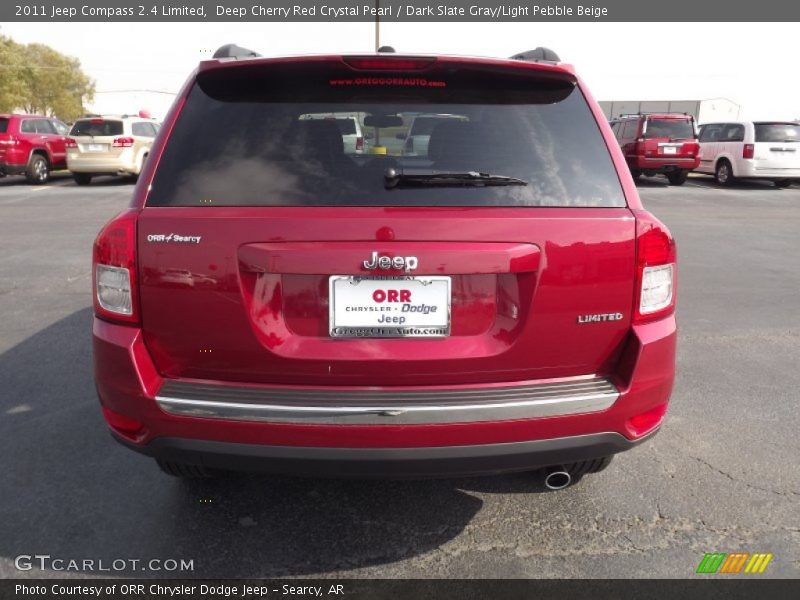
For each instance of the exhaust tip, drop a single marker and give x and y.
(557, 479)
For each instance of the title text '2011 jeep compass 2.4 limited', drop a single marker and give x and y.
(499, 302)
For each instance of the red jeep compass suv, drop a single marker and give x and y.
(500, 302)
(659, 143)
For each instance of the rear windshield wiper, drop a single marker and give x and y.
(394, 178)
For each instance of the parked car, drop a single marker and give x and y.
(504, 305)
(751, 150)
(31, 145)
(415, 141)
(658, 143)
(111, 145)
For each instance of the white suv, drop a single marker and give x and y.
(749, 150)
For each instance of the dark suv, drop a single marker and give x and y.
(497, 302)
(32, 145)
(659, 143)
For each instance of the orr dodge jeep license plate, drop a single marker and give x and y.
(383, 307)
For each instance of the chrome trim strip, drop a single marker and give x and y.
(381, 407)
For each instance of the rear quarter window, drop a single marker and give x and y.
(240, 140)
(143, 129)
(630, 129)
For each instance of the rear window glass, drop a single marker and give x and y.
(777, 132)
(244, 138)
(3, 125)
(96, 127)
(676, 129)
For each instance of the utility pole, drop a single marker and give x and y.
(377, 25)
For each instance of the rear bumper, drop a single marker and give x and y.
(436, 461)
(521, 426)
(12, 169)
(749, 169)
(663, 164)
(388, 406)
(82, 163)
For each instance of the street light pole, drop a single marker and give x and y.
(377, 25)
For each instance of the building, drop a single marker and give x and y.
(704, 111)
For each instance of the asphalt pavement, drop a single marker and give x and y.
(721, 476)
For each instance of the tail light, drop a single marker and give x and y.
(9, 141)
(359, 143)
(748, 151)
(114, 270)
(655, 269)
(692, 148)
(70, 143)
(123, 142)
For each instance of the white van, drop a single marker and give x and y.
(750, 150)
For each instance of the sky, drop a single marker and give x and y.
(753, 64)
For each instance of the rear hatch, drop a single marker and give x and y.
(99, 137)
(669, 137)
(268, 255)
(777, 146)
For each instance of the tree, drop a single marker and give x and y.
(12, 85)
(38, 79)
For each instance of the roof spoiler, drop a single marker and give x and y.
(234, 51)
(540, 54)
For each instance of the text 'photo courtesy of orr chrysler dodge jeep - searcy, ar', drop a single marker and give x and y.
(277, 299)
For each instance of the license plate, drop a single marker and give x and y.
(385, 307)
(95, 147)
(670, 150)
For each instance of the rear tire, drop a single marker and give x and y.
(82, 178)
(184, 470)
(678, 177)
(782, 183)
(723, 173)
(38, 171)
(636, 174)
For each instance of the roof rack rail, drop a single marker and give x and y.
(234, 51)
(540, 54)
